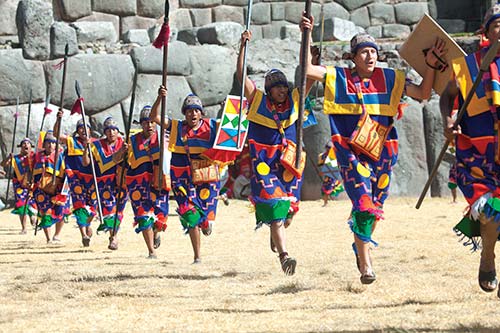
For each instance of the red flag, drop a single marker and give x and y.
(163, 36)
(47, 111)
(77, 107)
(59, 65)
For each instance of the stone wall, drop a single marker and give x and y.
(109, 40)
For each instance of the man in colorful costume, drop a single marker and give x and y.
(189, 139)
(149, 199)
(80, 179)
(477, 154)
(367, 93)
(331, 186)
(49, 200)
(272, 130)
(22, 165)
(108, 172)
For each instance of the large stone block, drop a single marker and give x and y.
(453, 25)
(434, 141)
(228, 14)
(101, 17)
(361, 17)
(265, 54)
(37, 110)
(181, 19)
(60, 35)
(333, 9)
(201, 16)
(261, 13)
(293, 11)
(18, 76)
(149, 60)
(199, 3)
(375, 32)
(273, 30)
(335, 29)
(353, 4)
(212, 80)
(278, 11)
(291, 32)
(34, 18)
(71, 10)
(256, 32)
(8, 10)
(135, 22)
(410, 12)
(116, 7)
(147, 91)
(410, 172)
(151, 8)
(381, 14)
(105, 80)
(220, 33)
(188, 36)
(137, 36)
(395, 31)
(91, 32)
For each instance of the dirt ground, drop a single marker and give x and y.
(426, 279)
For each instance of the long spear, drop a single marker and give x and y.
(302, 87)
(322, 35)
(92, 166)
(124, 162)
(12, 151)
(244, 76)
(61, 104)
(162, 41)
(29, 114)
(483, 68)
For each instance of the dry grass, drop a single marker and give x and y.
(426, 279)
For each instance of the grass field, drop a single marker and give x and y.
(427, 281)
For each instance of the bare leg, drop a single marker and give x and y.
(59, 226)
(365, 262)
(22, 219)
(46, 231)
(278, 236)
(325, 199)
(148, 238)
(194, 234)
(454, 194)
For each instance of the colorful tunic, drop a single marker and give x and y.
(50, 206)
(80, 181)
(107, 178)
(150, 205)
(197, 203)
(478, 168)
(366, 181)
(332, 185)
(275, 190)
(22, 165)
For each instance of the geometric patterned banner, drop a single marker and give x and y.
(227, 133)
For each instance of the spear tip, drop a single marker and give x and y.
(77, 89)
(66, 50)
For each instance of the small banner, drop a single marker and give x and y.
(227, 133)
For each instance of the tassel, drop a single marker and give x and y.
(59, 65)
(163, 36)
(47, 111)
(77, 108)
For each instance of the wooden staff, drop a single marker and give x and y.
(61, 104)
(302, 87)
(46, 111)
(485, 67)
(162, 41)
(9, 171)
(92, 165)
(321, 36)
(244, 76)
(128, 125)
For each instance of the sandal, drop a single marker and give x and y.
(272, 245)
(86, 241)
(368, 278)
(157, 242)
(488, 281)
(288, 264)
